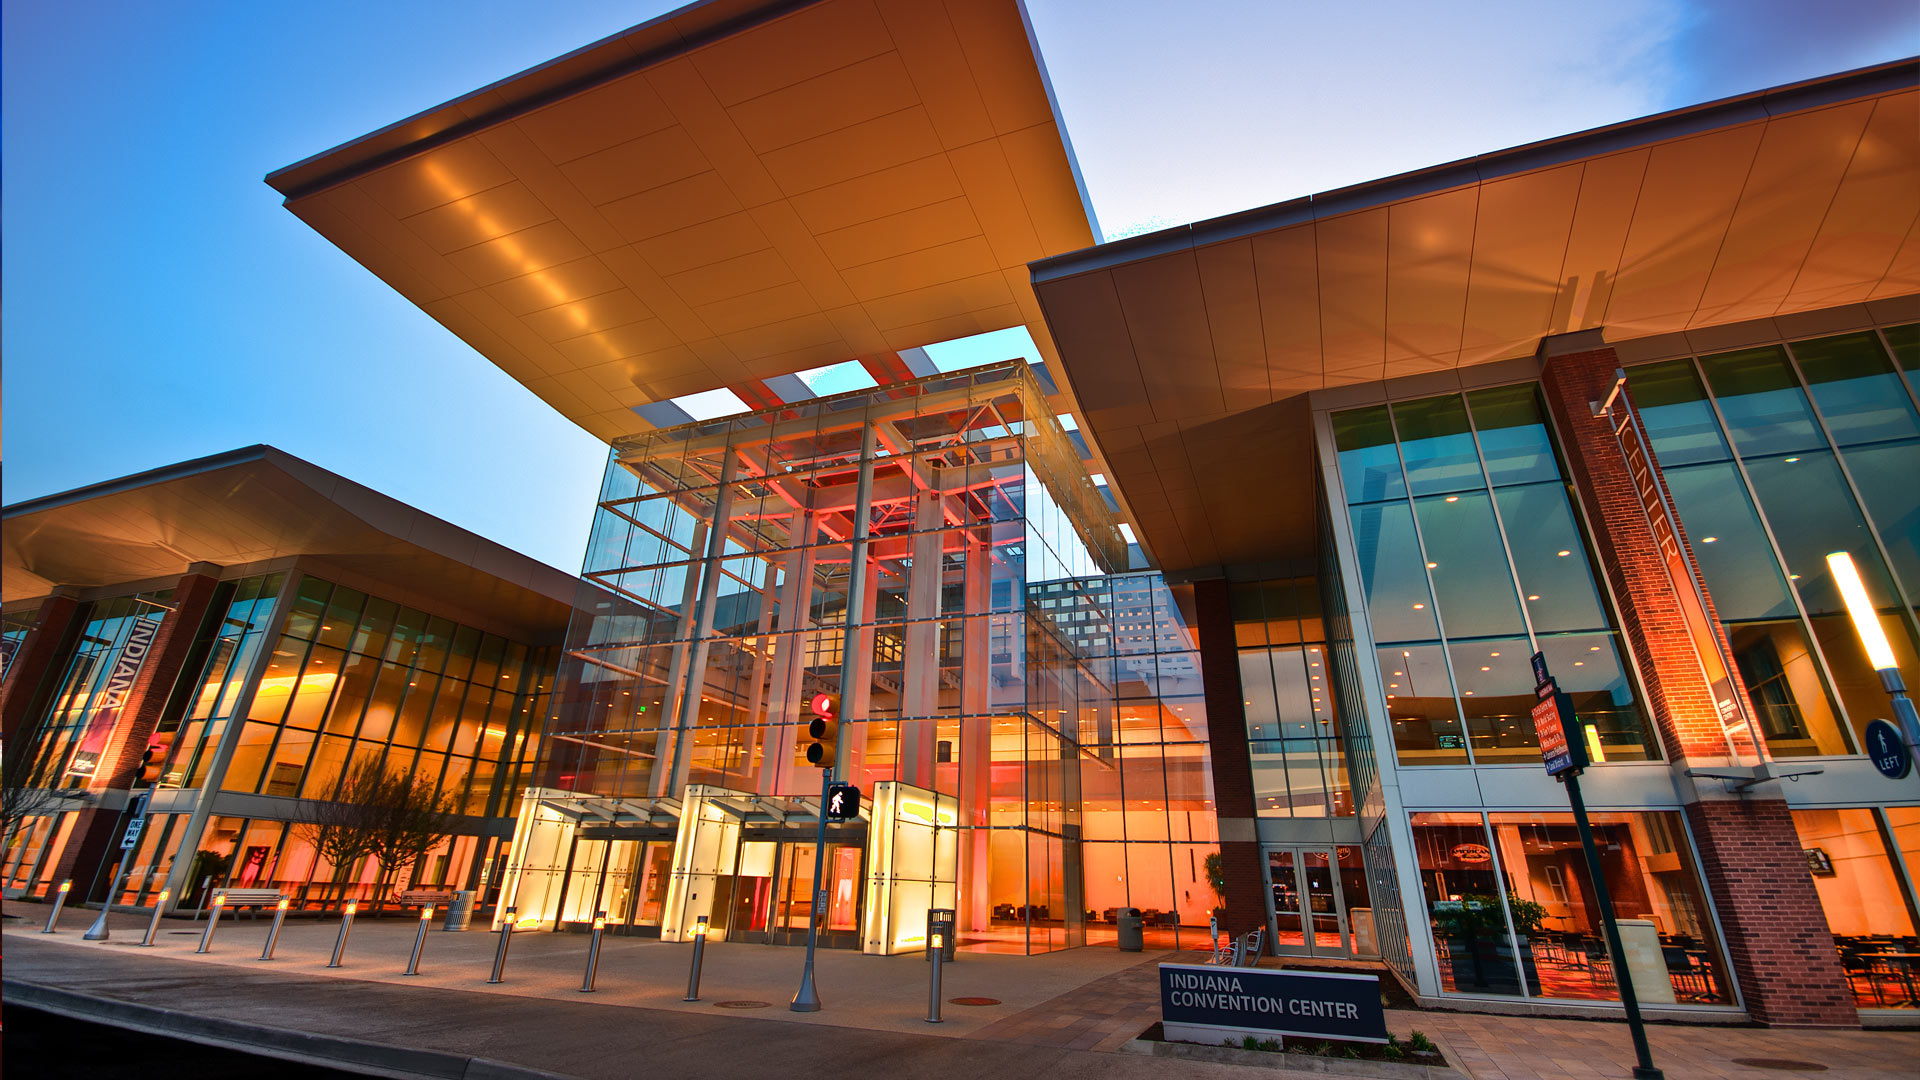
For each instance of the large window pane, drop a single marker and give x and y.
(1674, 410)
(1426, 719)
(1551, 559)
(1905, 342)
(1807, 503)
(1735, 558)
(1471, 579)
(1495, 679)
(1513, 435)
(1462, 893)
(1887, 478)
(1369, 465)
(1590, 669)
(1861, 896)
(1765, 409)
(1859, 394)
(1398, 604)
(1791, 699)
(1437, 444)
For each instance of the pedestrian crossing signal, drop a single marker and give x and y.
(843, 802)
(823, 727)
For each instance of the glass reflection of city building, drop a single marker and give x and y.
(1248, 632)
(1032, 736)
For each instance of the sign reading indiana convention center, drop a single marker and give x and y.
(1199, 1003)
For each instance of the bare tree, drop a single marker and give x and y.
(22, 798)
(378, 813)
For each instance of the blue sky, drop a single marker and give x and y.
(161, 305)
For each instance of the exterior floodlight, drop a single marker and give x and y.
(1866, 621)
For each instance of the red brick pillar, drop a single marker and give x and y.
(139, 713)
(36, 663)
(1230, 758)
(1776, 933)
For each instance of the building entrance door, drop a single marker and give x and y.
(1307, 913)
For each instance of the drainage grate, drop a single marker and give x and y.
(1783, 1064)
(973, 1001)
(740, 1004)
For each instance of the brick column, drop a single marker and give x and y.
(139, 713)
(1776, 933)
(1230, 759)
(38, 660)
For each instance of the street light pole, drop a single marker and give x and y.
(1866, 624)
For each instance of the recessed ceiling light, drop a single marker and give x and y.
(1708, 539)
(1453, 498)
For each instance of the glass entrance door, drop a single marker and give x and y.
(1309, 916)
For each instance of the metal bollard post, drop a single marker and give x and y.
(59, 901)
(593, 952)
(153, 927)
(273, 934)
(699, 953)
(346, 924)
(213, 920)
(937, 942)
(500, 954)
(419, 941)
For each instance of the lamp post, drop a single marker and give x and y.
(1866, 623)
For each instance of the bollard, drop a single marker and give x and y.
(59, 901)
(153, 927)
(699, 951)
(213, 920)
(419, 941)
(593, 952)
(273, 934)
(500, 953)
(346, 924)
(937, 942)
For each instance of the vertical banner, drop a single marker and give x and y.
(106, 708)
(1735, 725)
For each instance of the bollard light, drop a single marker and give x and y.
(153, 927)
(273, 933)
(59, 901)
(500, 953)
(593, 952)
(699, 951)
(213, 920)
(419, 941)
(936, 942)
(346, 927)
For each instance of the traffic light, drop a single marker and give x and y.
(154, 759)
(823, 727)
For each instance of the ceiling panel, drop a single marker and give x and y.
(636, 165)
(1519, 244)
(1429, 251)
(1872, 214)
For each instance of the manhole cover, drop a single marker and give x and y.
(1783, 1064)
(740, 1004)
(973, 1001)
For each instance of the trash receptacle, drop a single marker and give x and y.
(940, 918)
(1131, 937)
(459, 911)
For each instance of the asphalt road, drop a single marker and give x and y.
(47, 1046)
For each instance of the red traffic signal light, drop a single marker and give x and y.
(154, 758)
(823, 727)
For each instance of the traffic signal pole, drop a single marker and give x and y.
(808, 999)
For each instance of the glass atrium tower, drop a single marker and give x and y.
(934, 553)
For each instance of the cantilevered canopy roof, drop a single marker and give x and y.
(735, 191)
(256, 504)
(1184, 346)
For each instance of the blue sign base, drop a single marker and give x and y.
(1203, 1003)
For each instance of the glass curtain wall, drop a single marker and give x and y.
(1855, 856)
(14, 628)
(69, 737)
(1514, 913)
(1776, 456)
(1298, 756)
(1471, 559)
(731, 563)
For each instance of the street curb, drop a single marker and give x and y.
(374, 1059)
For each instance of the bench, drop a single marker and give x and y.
(423, 897)
(253, 898)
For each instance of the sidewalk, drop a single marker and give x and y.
(1062, 1015)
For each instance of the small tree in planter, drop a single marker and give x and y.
(1217, 881)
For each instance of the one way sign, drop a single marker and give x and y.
(843, 802)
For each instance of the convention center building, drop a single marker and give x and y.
(1226, 601)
